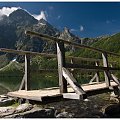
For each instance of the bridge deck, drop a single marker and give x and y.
(50, 93)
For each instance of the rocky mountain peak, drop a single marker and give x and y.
(42, 22)
(22, 17)
(66, 30)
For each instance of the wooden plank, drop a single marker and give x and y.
(73, 83)
(99, 68)
(72, 96)
(49, 93)
(61, 63)
(68, 42)
(27, 72)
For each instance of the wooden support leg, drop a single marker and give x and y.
(27, 72)
(106, 72)
(80, 93)
(117, 81)
(22, 85)
(61, 63)
(96, 76)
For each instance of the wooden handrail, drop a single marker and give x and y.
(21, 52)
(68, 42)
(90, 67)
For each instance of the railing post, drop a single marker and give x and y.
(106, 72)
(61, 63)
(27, 72)
(97, 73)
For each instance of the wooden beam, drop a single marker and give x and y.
(21, 52)
(73, 96)
(106, 72)
(61, 63)
(73, 83)
(68, 65)
(22, 85)
(27, 72)
(68, 42)
(96, 76)
(97, 73)
(115, 79)
(83, 59)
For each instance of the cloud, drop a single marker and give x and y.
(81, 28)
(110, 21)
(59, 16)
(73, 30)
(42, 15)
(107, 21)
(7, 10)
(51, 7)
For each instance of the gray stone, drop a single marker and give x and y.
(64, 115)
(6, 101)
(23, 107)
(112, 110)
(35, 113)
(4, 111)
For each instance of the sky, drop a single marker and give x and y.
(84, 19)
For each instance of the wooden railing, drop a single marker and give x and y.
(64, 75)
(64, 67)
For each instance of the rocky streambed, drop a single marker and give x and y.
(98, 106)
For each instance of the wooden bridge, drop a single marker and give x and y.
(68, 88)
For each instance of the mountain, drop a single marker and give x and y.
(21, 18)
(12, 35)
(68, 36)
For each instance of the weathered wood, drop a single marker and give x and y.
(96, 76)
(73, 83)
(61, 63)
(27, 72)
(106, 72)
(21, 52)
(115, 79)
(83, 59)
(68, 42)
(72, 96)
(52, 94)
(99, 68)
(22, 85)
(97, 73)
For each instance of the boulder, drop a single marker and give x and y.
(35, 113)
(64, 115)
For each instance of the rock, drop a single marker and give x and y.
(35, 113)
(97, 114)
(6, 101)
(4, 111)
(86, 100)
(64, 115)
(114, 100)
(23, 107)
(112, 110)
(3, 96)
(114, 95)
